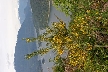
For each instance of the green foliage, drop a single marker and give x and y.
(97, 60)
(71, 6)
(63, 5)
(59, 66)
(41, 52)
(40, 13)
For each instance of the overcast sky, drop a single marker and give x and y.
(9, 26)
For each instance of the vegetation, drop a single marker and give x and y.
(40, 13)
(85, 40)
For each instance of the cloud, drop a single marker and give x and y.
(9, 27)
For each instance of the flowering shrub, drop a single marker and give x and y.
(85, 40)
(60, 39)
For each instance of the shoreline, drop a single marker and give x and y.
(52, 18)
(47, 66)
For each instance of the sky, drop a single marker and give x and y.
(9, 27)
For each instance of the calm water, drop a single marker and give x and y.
(35, 19)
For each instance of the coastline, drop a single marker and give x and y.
(48, 65)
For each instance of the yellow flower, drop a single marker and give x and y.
(85, 15)
(68, 39)
(75, 20)
(84, 22)
(99, 18)
(79, 19)
(88, 11)
(54, 38)
(97, 13)
(76, 34)
(61, 25)
(89, 48)
(27, 40)
(84, 33)
(60, 51)
(82, 18)
(56, 58)
(69, 56)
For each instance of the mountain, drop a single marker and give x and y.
(40, 11)
(22, 5)
(22, 48)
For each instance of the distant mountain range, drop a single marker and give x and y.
(22, 5)
(40, 12)
(22, 48)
